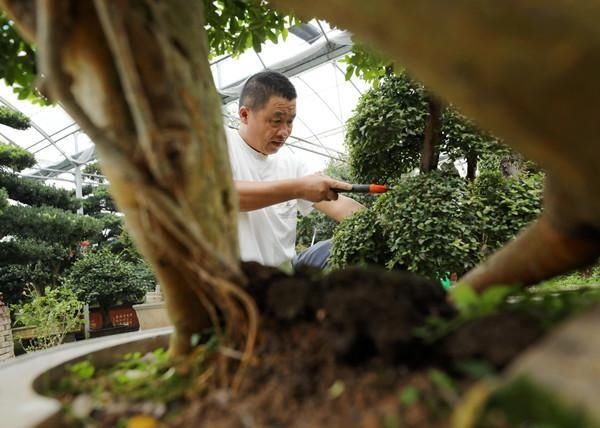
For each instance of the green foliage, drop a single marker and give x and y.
(15, 158)
(505, 205)
(35, 193)
(232, 26)
(461, 138)
(28, 250)
(470, 305)
(38, 244)
(574, 280)
(428, 221)
(14, 119)
(547, 307)
(358, 240)
(317, 225)
(366, 64)
(94, 168)
(523, 403)
(99, 201)
(123, 246)
(552, 307)
(49, 224)
(136, 379)
(53, 314)
(106, 279)
(437, 223)
(17, 62)
(3, 199)
(385, 135)
(16, 279)
(473, 305)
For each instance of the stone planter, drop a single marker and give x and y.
(20, 404)
(152, 313)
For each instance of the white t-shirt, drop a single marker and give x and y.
(267, 235)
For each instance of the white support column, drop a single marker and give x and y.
(78, 177)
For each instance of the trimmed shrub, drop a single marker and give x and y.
(505, 206)
(385, 134)
(430, 225)
(358, 240)
(15, 158)
(35, 193)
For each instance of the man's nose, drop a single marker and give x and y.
(285, 130)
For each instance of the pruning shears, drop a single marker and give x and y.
(365, 188)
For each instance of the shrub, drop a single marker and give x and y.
(49, 224)
(35, 193)
(15, 158)
(16, 279)
(385, 135)
(429, 223)
(505, 206)
(358, 240)
(106, 279)
(14, 119)
(53, 314)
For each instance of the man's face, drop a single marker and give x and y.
(266, 130)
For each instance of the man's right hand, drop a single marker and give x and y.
(318, 187)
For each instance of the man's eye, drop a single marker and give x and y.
(276, 121)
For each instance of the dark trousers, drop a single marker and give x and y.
(315, 256)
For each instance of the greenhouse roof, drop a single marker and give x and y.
(310, 56)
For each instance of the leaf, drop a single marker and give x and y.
(409, 395)
(441, 380)
(464, 297)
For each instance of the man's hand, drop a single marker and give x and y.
(318, 187)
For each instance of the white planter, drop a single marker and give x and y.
(152, 315)
(20, 404)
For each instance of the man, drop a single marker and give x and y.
(271, 183)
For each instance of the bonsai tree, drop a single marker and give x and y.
(163, 146)
(104, 278)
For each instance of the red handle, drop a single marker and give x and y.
(378, 188)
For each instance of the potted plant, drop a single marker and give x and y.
(103, 278)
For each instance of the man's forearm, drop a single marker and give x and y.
(254, 195)
(340, 209)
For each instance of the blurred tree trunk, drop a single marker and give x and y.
(430, 153)
(471, 165)
(135, 76)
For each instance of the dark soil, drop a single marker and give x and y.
(339, 351)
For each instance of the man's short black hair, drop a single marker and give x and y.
(261, 86)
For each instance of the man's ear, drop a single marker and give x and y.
(244, 112)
